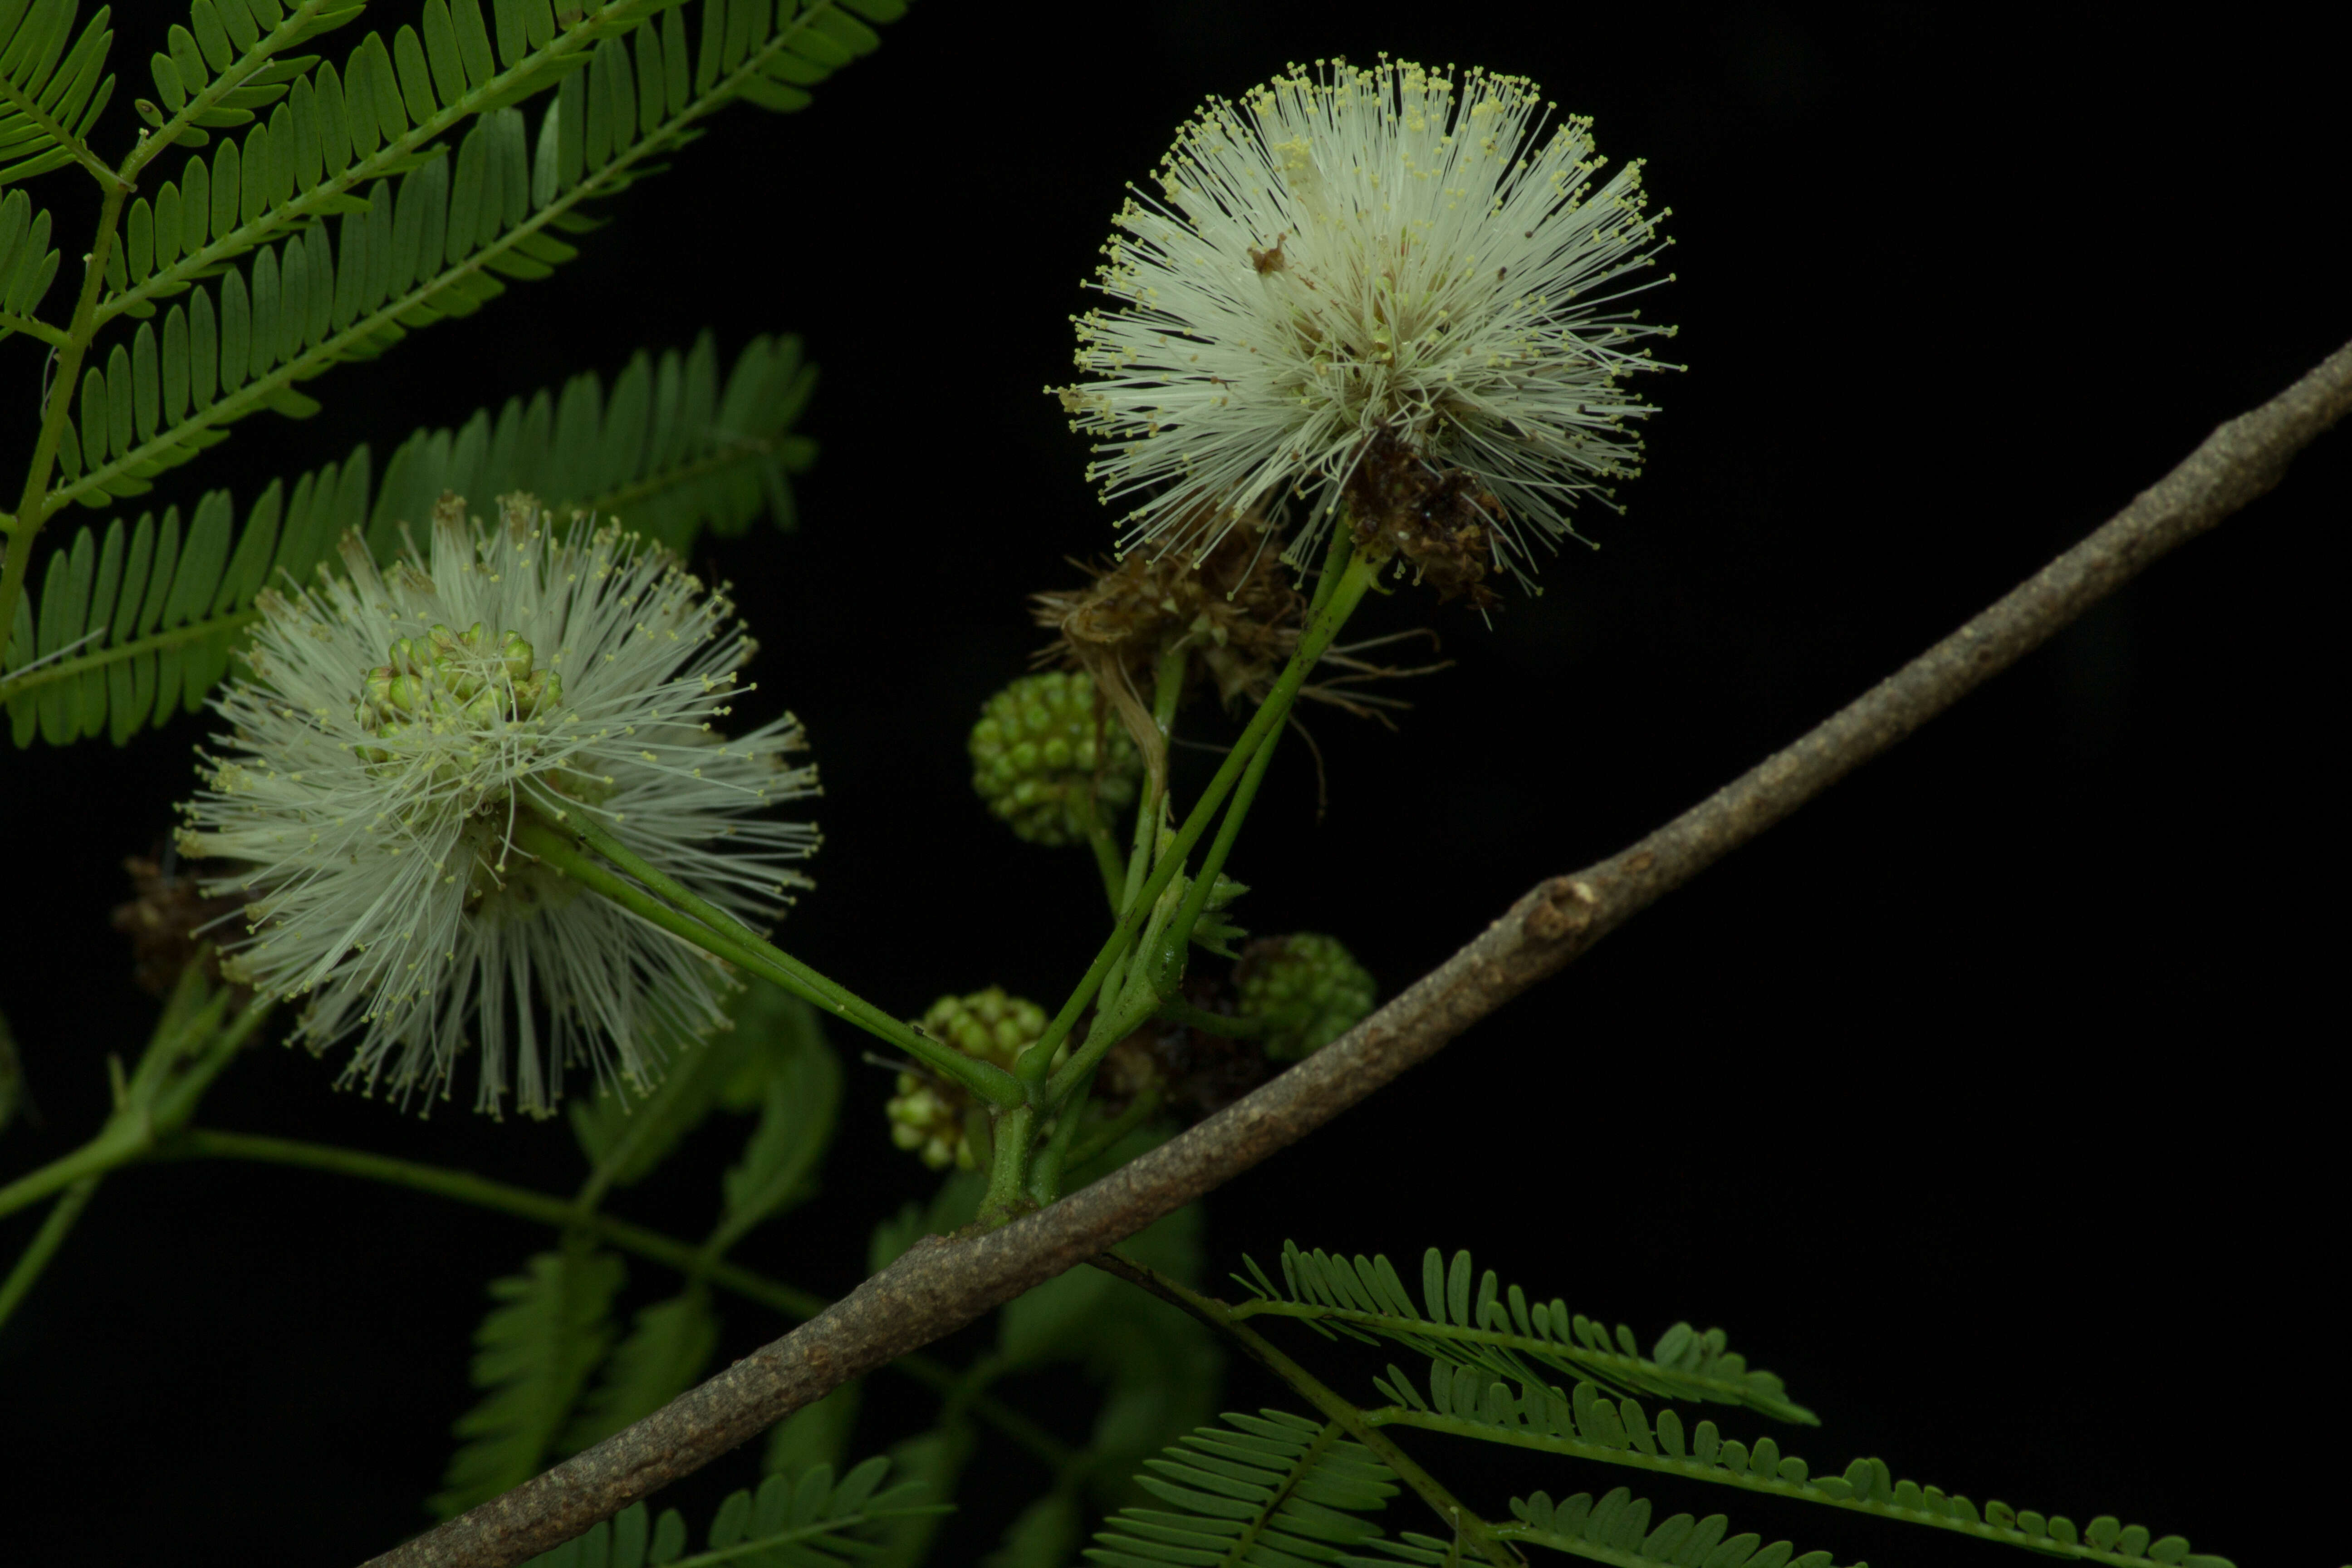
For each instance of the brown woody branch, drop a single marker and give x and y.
(939, 1285)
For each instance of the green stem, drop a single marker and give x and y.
(20, 683)
(34, 506)
(1053, 1155)
(547, 1208)
(1114, 875)
(1218, 1316)
(61, 1220)
(242, 69)
(1151, 817)
(1008, 1167)
(33, 327)
(1167, 960)
(151, 1104)
(721, 935)
(1036, 1062)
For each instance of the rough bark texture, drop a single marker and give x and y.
(940, 1286)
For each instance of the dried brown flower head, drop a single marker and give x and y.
(1235, 609)
(168, 922)
(1442, 521)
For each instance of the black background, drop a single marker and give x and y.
(1985, 1101)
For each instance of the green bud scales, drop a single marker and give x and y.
(1041, 757)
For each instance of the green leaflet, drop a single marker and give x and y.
(1265, 1489)
(661, 1357)
(669, 451)
(138, 624)
(1502, 1334)
(430, 236)
(811, 1523)
(28, 262)
(331, 129)
(1616, 1529)
(1587, 1424)
(533, 1354)
(433, 244)
(800, 1096)
(53, 85)
(672, 450)
(775, 1044)
(775, 1057)
(815, 1434)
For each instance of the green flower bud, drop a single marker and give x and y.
(1039, 752)
(928, 1116)
(1307, 986)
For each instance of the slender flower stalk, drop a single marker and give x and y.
(381, 763)
(1393, 285)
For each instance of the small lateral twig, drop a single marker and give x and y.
(939, 1285)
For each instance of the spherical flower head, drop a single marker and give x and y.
(395, 729)
(1308, 986)
(928, 1115)
(1042, 757)
(1392, 267)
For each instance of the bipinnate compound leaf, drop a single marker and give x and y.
(1268, 1491)
(669, 450)
(1500, 1332)
(533, 1356)
(675, 444)
(53, 84)
(137, 623)
(662, 1356)
(28, 262)
(808, 1520)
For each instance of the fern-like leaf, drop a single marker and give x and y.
(800, 1094)
(1267, 1490)
(53, 86)
(668, 452)
(661, 1357)
(672, 450)
(231, 60)
(1587, 1424)
(811, 1523)
(435, 246)
(29, 265)
(1493, 1331)
(1616, 1529)
(137, 624)
(532, 1354)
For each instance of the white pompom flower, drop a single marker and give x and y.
(1393, 285)
(395, 729)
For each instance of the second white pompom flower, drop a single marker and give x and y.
(1384, 266)
(382, 762)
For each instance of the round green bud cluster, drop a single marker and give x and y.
(928, 1114)
(1038, 751)
(1309, 987)
(448, 681)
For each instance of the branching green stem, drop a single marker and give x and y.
(33, 327)
(1036, 1062)
(1459, 1520)
(718, 933)
(35, 503)
(36, 1255)
(32, 108)
(240, 71)
(187, 1051)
